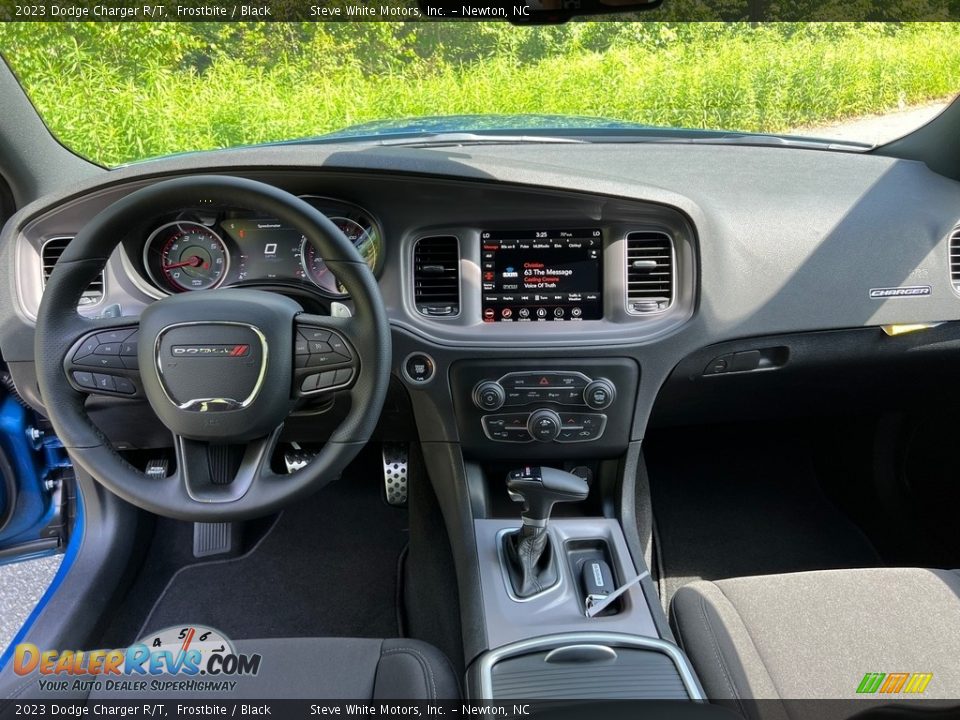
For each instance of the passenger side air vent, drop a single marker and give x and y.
(649, 272)
(955, 258)
(51, 251)
(436, 276)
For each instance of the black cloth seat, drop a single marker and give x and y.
(305, 668)
(816, 634)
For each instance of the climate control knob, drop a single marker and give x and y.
(489, 395)
(599, 394)
(544, 425)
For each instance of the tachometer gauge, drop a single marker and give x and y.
(366, 241)
(185, 256)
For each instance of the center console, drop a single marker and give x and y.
(565, 614)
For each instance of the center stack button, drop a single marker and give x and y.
(544, 425)
(489, 395)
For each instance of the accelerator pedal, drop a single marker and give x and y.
(395, 473)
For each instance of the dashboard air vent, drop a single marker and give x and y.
(955, 258)
(51, 251)
(650, 273)
(436, 276)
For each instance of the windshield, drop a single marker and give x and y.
(121, 92)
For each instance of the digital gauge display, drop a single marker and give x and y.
(186, 255)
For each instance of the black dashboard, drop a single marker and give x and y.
(594, 265)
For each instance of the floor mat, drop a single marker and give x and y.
(327, 568)
(732, 502)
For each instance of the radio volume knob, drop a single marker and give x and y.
(489, 395)
(599, 394)
(544, 425)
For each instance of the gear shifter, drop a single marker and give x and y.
(530, 562)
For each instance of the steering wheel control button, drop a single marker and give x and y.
(315, 348)
(489, 395)
(544, 425)
(104, 382)
(108, 349)
(319, 348)
(101, 361)
(87, 347)
(128, 348)
(314, 334)
(84, 379)
(338, 346)
(419, 368)
(124, 386)
(599, 394)
(115, 336)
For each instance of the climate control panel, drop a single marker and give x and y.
(544, 425)
(558, 404)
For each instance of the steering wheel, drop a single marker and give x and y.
(222, 369)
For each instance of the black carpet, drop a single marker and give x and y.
(327, 568)
(742, 500)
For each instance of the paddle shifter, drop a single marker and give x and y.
(530, 561)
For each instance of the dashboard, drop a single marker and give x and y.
(540, 297)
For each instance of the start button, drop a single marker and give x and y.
(419, 368)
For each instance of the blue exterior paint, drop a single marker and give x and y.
(72, 550)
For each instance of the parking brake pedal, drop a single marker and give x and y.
(214, 538)
(395, 473)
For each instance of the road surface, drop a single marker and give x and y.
(876, 129)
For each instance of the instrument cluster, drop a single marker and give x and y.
(202, 248)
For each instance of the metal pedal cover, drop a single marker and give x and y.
(213, 538)
(395, 473)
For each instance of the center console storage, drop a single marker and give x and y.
(585, 665)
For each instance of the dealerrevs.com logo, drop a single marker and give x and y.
(185, 658)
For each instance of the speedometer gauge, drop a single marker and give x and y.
(365, 239)
(186, 256)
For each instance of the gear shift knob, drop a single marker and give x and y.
(540, 488)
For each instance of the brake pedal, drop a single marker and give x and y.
(395, 473)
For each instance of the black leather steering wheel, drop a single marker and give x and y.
(222, 369)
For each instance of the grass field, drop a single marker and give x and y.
(117, 94)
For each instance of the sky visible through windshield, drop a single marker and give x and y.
(121, 92)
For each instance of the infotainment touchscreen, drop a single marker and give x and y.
(541, 275)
